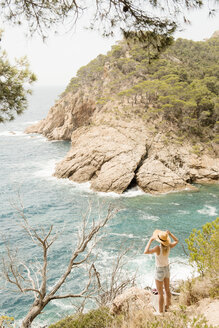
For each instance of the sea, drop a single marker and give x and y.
(27, 163)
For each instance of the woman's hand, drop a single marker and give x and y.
(168, 232)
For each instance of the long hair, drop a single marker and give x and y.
(164, 249)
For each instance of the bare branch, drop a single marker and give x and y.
(33, 277)
(81, 294)
(85, 239)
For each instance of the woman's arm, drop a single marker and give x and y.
(152, 250)
(176, 240)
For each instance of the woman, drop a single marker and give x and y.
(162, 276)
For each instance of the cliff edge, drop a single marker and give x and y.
(134, 123)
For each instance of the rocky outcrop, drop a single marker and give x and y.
(154, 177)
(117, 154)
(122, 136)
(106, 156)
(69, 113)
(170, 167)
(115, 157)
(132, 300)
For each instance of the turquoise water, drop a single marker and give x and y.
(27, 164)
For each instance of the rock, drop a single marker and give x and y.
(69, 113)
(215, 34)
(133, 299)
(170, 167)
(103, 155)
(113, 153)
(206, 170)
(209, 308)
(154, 177)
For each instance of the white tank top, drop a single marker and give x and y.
(162, 259)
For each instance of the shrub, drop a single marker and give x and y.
(99, 318)
(177, 319)
(195, 289)
(204, 248)
(6, 322)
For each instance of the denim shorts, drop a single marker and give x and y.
(162, 272)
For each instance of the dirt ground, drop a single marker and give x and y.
(210, 309)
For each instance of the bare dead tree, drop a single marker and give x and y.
(34, 278)
(116, 280)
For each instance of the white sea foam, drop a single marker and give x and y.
(182, 212)
(13, 134)
(62, 305)
(149, 217)
(208, 210)
(46, 170)
(86, 186)
(133, 192)
(123, 235)
(36, 136)
(181, 269)
(144, 271)
(213, 195)
(29, 122)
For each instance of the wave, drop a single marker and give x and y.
(86, 187)
(133, 192)
(181, 269)
(122, 235)
(21, 133)
(213, 195)
(46, 170)
(149, 217)
(63, 305)
(13, 134)
(208, 210)
(30, 122)
(182, 212)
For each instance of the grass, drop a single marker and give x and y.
(102, 318)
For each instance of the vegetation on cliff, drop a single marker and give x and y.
(203, 247)
(179, 90)
(102, 318)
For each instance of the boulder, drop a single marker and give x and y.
(133, 299)
(103, 155)
(154, 177)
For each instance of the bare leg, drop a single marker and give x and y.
(159, 285)
(167, 291)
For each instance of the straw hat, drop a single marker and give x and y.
(162, 237)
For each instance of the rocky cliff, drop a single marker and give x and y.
(124, 128)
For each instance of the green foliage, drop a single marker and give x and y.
(15, 81)
(6, 322)
(203, 248)
(73, 86)
(93, 70)
(99, 318)
(180, 87)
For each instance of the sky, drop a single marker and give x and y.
(57, 60)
